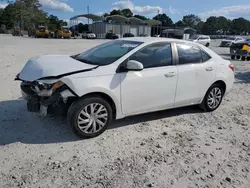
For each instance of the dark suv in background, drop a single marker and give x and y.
(240, 50)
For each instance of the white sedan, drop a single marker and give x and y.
(123, 78)
(231, 40)
(201, 39)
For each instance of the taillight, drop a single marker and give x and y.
(231, 67)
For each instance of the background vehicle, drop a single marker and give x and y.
(240, 50)
(201, 39)
(128, 35)
(143, 35)
(230, 40)
(63, 32)
(39, 31)
(111, 36)
(125, 77)
(88, 35)
(17, 31)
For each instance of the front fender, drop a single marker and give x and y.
(108, 84)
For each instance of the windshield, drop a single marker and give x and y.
(107, 53)
(230, 38)
(194, 37)
(65, 30)
(42, 29)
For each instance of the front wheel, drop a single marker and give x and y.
(207, 45)
(232, 56)
(90, 117)
(213, 98)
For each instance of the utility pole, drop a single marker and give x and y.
(157, 24)
(88, 13)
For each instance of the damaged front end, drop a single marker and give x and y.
(47, 98)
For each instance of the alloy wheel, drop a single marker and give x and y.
(214, 98)
(92, 118)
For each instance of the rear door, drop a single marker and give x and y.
(195, 74)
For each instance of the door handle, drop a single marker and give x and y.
(209, 69)
(170, 74)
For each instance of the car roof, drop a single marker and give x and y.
(154, 40)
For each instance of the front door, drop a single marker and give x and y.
(154, 87)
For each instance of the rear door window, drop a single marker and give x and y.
(188, 54)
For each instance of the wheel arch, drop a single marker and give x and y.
(105, 96)
(222, 84)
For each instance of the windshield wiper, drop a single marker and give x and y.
(83, 60)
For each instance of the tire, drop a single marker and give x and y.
(248, 58)
(206, 105)
(237, 57)
(82, 107)
(232, 56)
(243, 58)
(207, 45)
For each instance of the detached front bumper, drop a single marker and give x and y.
(55, 102)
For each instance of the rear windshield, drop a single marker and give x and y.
(107, 53)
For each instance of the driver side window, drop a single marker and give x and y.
(155, 55)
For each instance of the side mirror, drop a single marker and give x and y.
(134, 65)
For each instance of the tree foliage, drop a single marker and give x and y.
(165, 20)
(27, 14)
(191, 20)
(141, 17)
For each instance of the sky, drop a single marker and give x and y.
(176, 9)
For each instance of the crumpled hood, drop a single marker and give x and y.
(52, 66)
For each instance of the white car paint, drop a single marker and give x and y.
(51, 65)
(201, 39)
(137, 92)
(231, 40)
(88, 35)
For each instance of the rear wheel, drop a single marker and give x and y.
(207, 45)
(213, 98)
(238, 57)
(248, 58)
(90, 117)
(243, 58)
(232, 56)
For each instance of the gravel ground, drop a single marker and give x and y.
(183, 148)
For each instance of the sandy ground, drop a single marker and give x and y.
(183, 148)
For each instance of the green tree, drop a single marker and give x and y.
(127, 12)
(210, 26)
(165, 20)
(10, 16)
(191, 20)
(199, 27)
(105, 15)
(179, 24)
(223, 24)
(116, 12)
(240, 26)
(141, 17)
